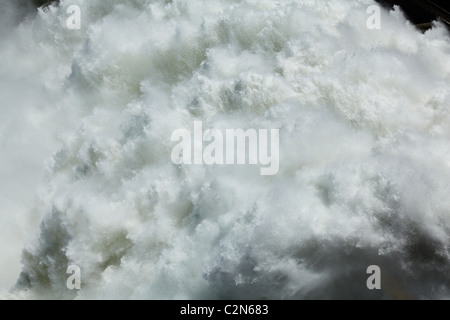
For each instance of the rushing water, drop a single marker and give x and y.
(86, 171)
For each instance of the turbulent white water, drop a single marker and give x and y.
(87, 178)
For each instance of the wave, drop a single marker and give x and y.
(87, 116)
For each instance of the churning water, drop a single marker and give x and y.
(86, 171)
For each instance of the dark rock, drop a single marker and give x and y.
(40, 3)
(422, 12)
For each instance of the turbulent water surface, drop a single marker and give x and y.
(87, 177)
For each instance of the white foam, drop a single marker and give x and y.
(87, 117)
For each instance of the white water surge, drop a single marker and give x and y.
(86, 171)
